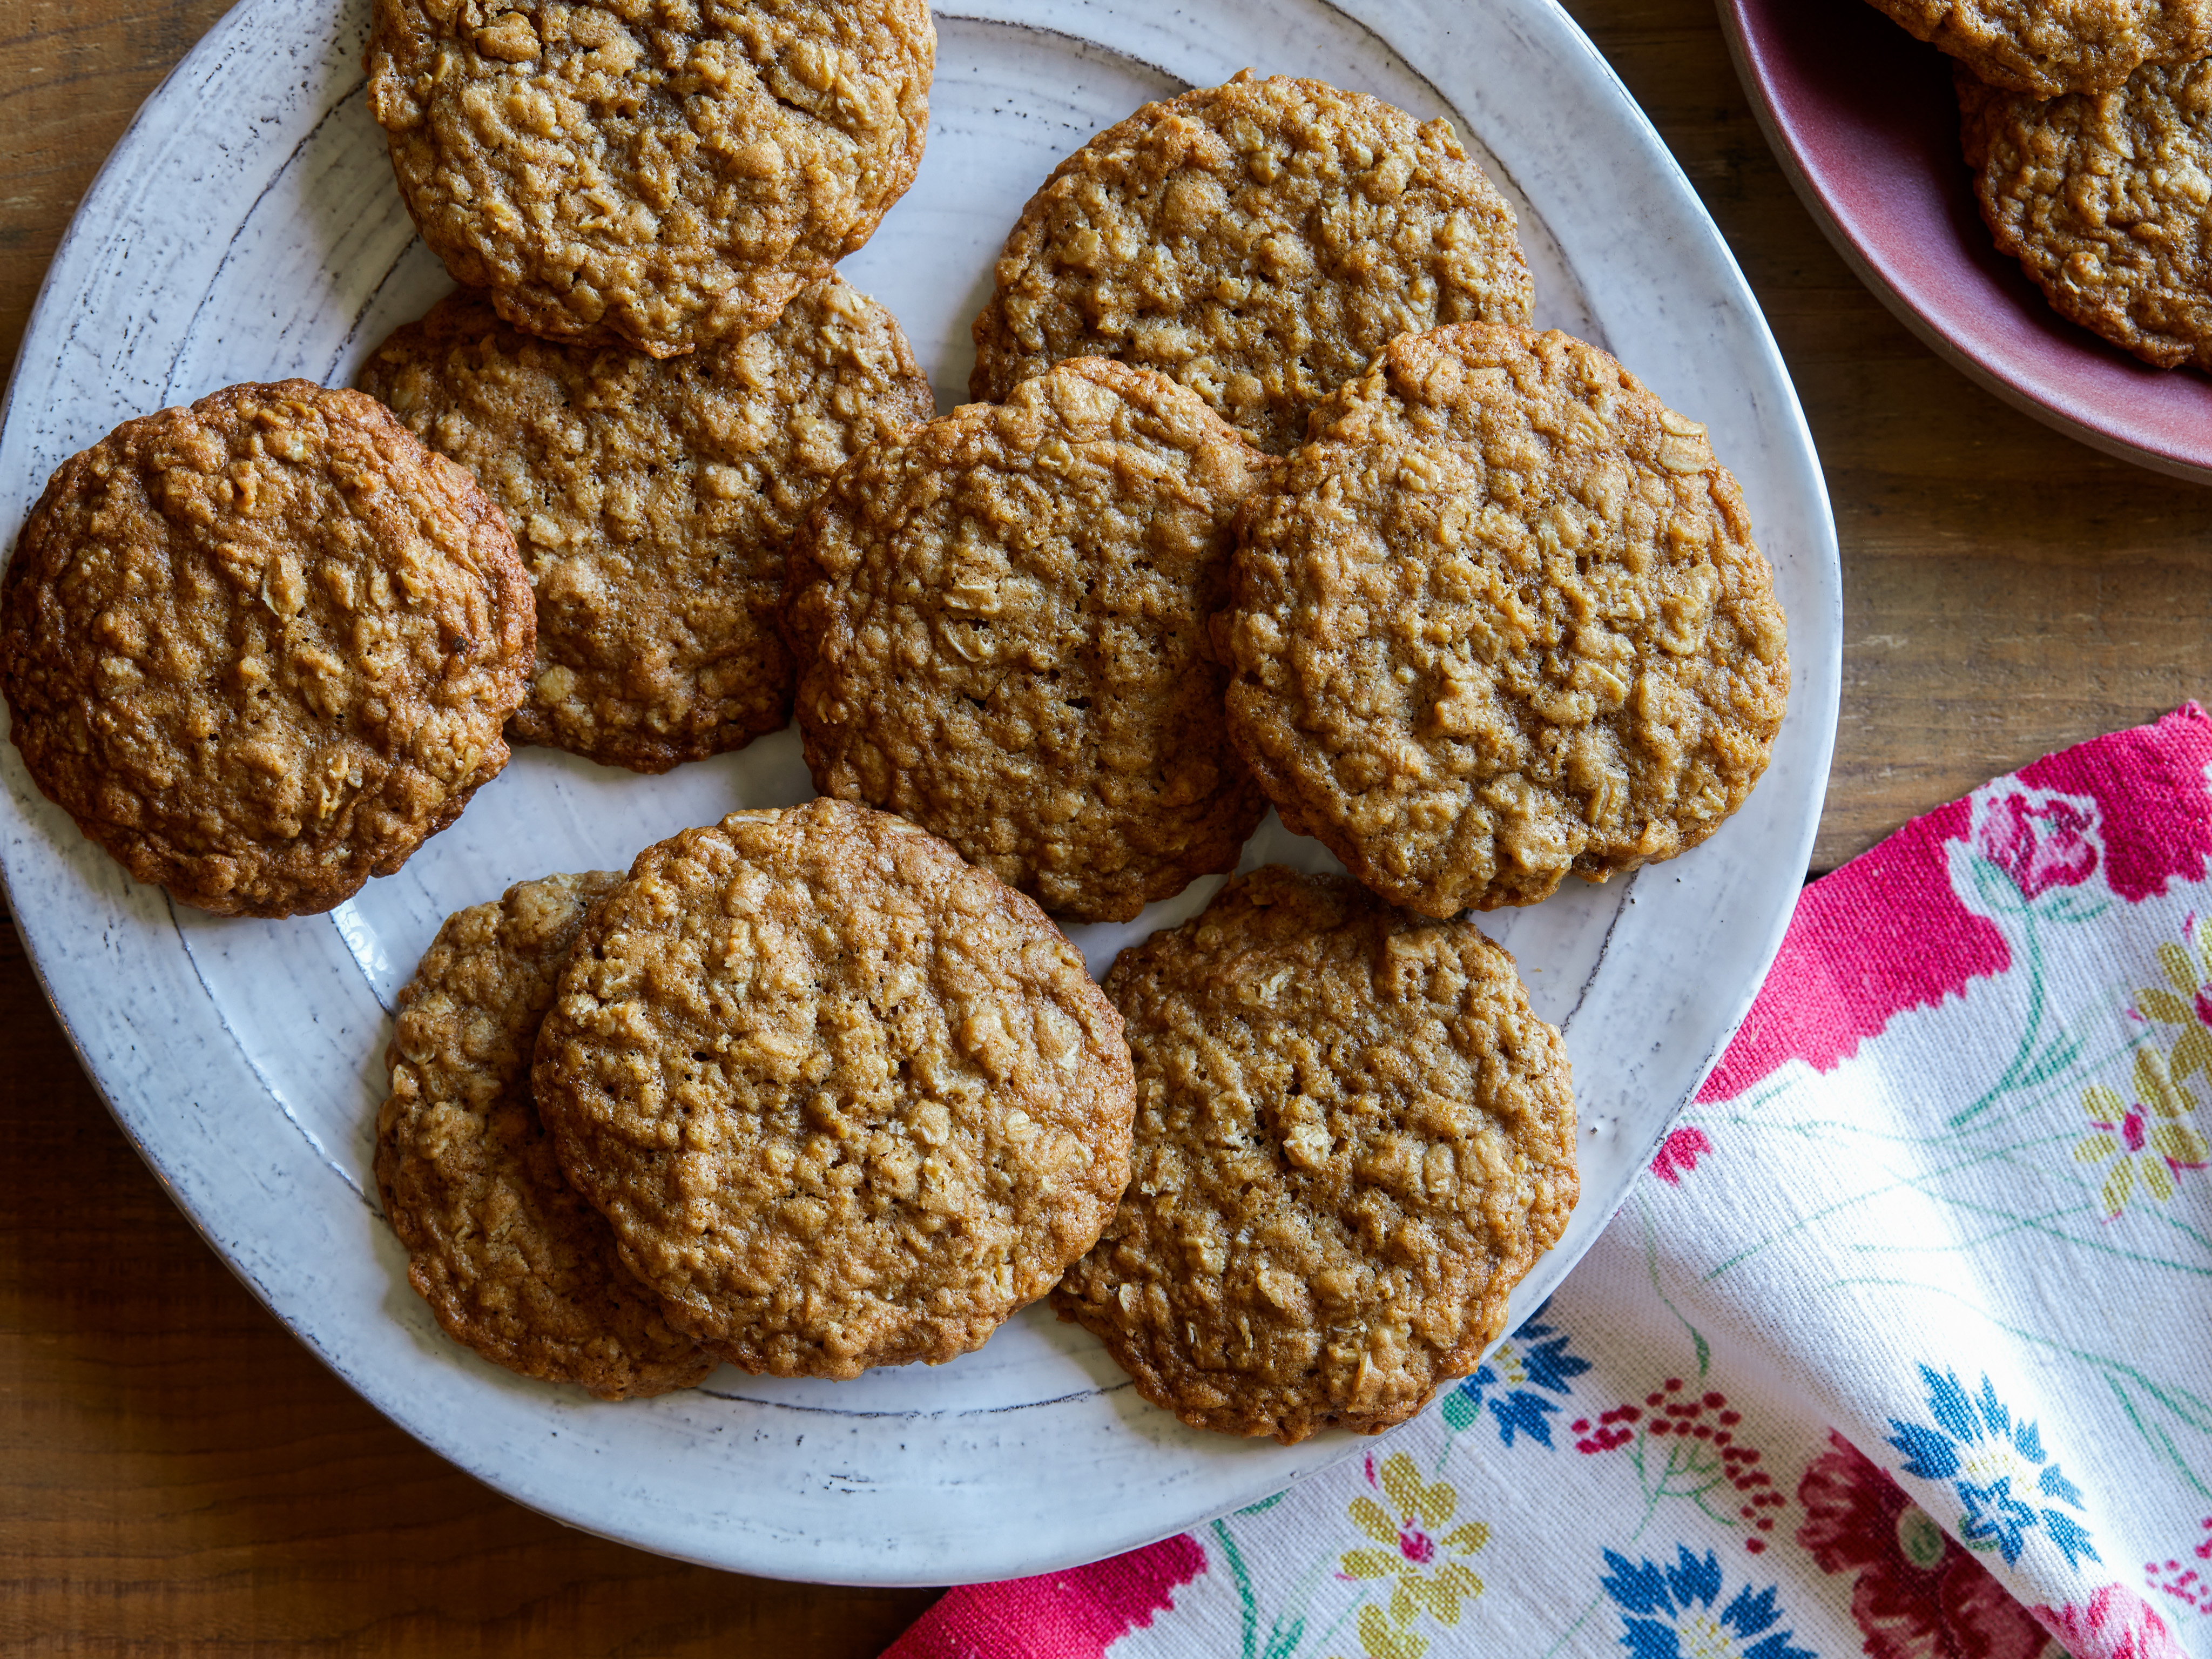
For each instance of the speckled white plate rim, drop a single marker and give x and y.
(159, 1044)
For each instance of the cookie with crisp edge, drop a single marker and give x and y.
(1353, 1139)
(1258, 242)
(846, 1100)
(1001, 624)
(652, 501)
(2099, 198)
(261, 649)
(1504, 621)
(514, 1263)
(2041, 49)
(663, 176)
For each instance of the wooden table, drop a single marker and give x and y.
(176, 1472)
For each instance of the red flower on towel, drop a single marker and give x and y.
(1886, 932)
(2114, 1623)
(1689, 1442)
(1919, 1595)
(2040, 844)
(2186, 1585)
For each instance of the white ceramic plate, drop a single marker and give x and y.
(247, 228)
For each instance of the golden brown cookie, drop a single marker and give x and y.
(514, 1264)
(1001, 625)
(1502, 621)
(261, 649)
(1353, 1139)
(664, 174)
(652, 501)
(2046, 47)
(846, 1100)
(1258, 242)
(2103, 199)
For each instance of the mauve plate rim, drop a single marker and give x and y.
(2030, 371)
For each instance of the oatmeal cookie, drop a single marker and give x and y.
(652, 501)
(261, 649)
(1000, 623)
(514, 1263)
(665, 174)
(1258, 242)
(2102, 197)
(846, 1100)
(2046, 47)
(1353, 1139)
(1504, 621)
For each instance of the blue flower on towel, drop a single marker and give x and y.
(2005, 1484)
(1534, 1357)
(1667, 1612)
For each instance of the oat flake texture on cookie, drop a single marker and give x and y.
(514, 1264)
(846, 1100)
(652, 501)
(2102, 198)
(662, 172)
(1001, 623)
(261, 649)
(1502, 622)
(2046, 47)
(1353, 1139)
(1258, 242)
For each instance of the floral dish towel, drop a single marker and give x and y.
(1903, 1348)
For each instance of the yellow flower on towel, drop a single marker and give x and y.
(2188, 1004)
(2142, 1143)
(1419, 1556)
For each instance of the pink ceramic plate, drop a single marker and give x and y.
(1863, 119)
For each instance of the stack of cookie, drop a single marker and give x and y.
(806, 1091)
(1352, 1136)
(654, 366)
(2090, 130)
(1270, 494)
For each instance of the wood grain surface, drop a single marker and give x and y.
(177, 1474)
